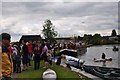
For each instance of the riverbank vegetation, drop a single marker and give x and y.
(97, 39)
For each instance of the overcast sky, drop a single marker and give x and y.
(69, 18)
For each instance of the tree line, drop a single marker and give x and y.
(50, 34)
(97, 39)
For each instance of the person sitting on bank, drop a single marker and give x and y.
(65, 62)
(59, 60)
(62, 61)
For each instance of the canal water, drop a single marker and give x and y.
(96, 52)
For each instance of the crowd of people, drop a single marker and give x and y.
(16, 54)
(26, 52)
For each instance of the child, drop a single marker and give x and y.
(49, 57)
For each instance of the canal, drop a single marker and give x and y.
(96, 52)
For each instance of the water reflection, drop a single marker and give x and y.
(96, 52)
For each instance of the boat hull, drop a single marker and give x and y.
(74, 61)
(102, 60)
(68, 52)
(107, 73)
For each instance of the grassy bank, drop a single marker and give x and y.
(62, 73)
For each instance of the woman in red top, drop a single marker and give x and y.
(30, 52)
(37, 53)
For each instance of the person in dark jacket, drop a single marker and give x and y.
(103, 56)
(59, 60)
(24, 55)
(18, 60)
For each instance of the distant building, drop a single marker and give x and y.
(113, 38)
(64, 39)
(32, 38)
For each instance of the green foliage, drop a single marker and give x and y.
(67, 73)
(87, 38)
(97, 39)
(48, 31)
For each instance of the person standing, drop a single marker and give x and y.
(45, 55)
(18, 59)
(14, 55)
(24, 55)
(7, 67)
(30, 52)
(37, 53)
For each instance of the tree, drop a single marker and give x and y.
(79, 38)
(48, 31)
(87, 38)
(96, 35)
(113, 33)
(96, 39)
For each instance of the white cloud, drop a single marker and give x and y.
(59, 0)
(69, 18)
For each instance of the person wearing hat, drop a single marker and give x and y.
(7, 66)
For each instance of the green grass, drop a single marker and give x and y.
(62, 73)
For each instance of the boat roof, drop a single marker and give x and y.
(68, 50)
